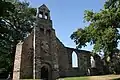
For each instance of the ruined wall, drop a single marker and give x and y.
(62, 58)
(17, 62)
(65, 61)
(26, 70)
(99, 64)
(50, 53)
(83, 62)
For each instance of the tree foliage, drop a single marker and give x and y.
(16, 22)
(103, 29)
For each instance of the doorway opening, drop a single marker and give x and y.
(44, 73)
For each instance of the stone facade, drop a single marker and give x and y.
(43, 55)
(17, 62)
(98, 69)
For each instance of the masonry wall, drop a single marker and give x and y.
(16, 70)
(83, 62)
(62, 59)
(26, 70)
(65, 61)
(98, 65)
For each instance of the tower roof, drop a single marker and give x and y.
(44, 7)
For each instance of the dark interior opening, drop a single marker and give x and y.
(42, 30)
(48, 32)
(44, 73)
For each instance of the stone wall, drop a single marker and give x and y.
(17, 62)
(26, 71)
(65, 61)
(62, 58)
(99, 65)
(46, 50)
(83, 62)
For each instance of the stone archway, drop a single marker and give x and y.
(46, 73)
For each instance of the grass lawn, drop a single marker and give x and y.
(102, 77)
(76, 78)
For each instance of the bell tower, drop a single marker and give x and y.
(46, 57)
(43, 12)
(43, 18)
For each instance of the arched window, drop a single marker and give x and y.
(46, 15)
(74, 60)
(92, 62)
(41, 15)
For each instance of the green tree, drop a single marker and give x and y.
(5, 9)
(15, 26)
(102, 31)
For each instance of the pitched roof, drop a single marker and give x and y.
(44, 7)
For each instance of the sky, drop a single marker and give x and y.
(68, 16)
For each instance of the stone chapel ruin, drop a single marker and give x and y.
(43, 56)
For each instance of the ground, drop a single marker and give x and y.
(103, 77)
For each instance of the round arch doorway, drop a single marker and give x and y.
(45, 72)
